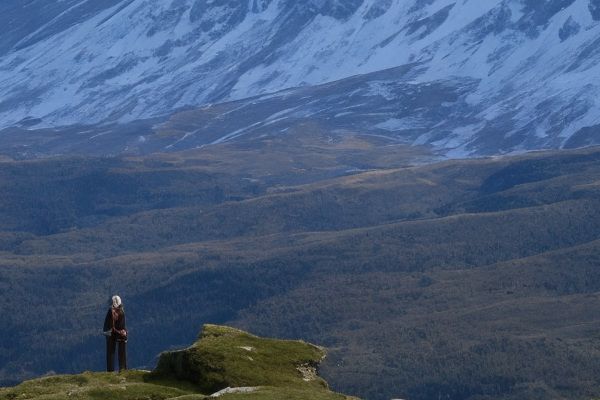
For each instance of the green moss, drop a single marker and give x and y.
(222, 357)
(226, 357)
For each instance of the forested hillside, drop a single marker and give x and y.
(469, 279)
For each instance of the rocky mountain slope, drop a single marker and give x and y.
(526, 70)
(224, 363)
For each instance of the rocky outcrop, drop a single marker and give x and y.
(218, 365)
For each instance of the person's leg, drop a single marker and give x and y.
(122, 356)
(110, 354)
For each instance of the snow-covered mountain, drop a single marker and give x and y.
(527, 70)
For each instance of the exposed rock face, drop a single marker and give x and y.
(239, 390)
(570, 28)
(86, 62)
(594, 8)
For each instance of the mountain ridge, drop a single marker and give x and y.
(535, 62)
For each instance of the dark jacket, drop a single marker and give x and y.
(115, 323)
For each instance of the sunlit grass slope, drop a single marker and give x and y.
(222, 358)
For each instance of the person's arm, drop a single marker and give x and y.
(124, 330)
(108, 323)
(116, 315)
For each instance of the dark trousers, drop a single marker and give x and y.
(111, 347)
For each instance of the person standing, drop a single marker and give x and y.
(115, 331)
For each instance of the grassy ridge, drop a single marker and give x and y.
(129, 385)
(222, 358)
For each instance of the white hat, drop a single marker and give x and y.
(116, 301)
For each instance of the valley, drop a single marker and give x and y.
(413, 184)
(468, 279)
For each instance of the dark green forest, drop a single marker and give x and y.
(462, 280)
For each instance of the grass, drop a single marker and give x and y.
(131, 385)
(223, 357)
